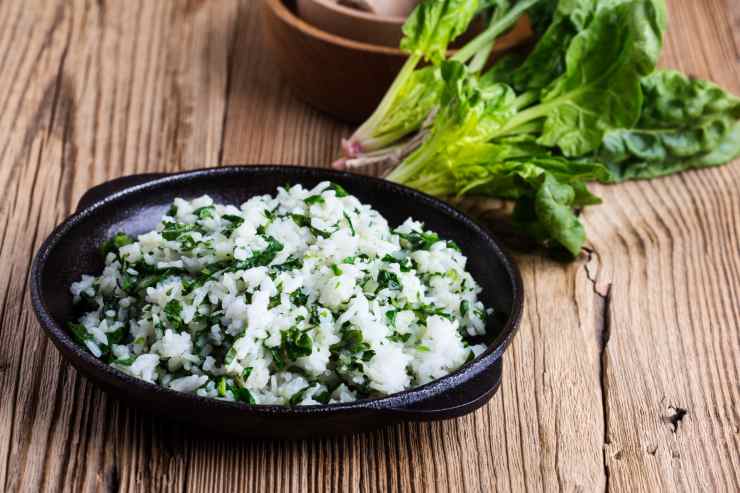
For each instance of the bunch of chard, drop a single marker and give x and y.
(586, 104)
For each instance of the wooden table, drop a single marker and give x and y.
(625, 374)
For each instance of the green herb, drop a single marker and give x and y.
(388, 280)
(315, 317)
(261, 258)
(292, 263)
(221, 387)
(247, 371)
(235, 220)
(79, 332)
(336, 270)
(423, 312)
(277, 358)
(187, 243)
(352, 341)
(117, 336)
(296, 343)
(314, 199)
(396, 337)
(301, 220)
(339, 191)
(242, 395)
(464, 307)
(296, 398)
(230, 356)
(305, 222)
(298, 297)
(320, 233)
(125, 361)
(128, 282)
(114, 244)
(173, 312)
(453, 246)
(323, 398)
(349, 221)
(205, 212)
(234, 223)
(419, 240)
(422, 348)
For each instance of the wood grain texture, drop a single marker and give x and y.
(625, 373)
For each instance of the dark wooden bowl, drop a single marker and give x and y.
(339, 76)
(135, 205)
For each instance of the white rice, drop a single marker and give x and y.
(304, 298)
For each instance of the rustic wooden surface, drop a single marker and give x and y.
(625, 374)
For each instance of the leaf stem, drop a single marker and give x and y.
(366, 129)
(484, 39)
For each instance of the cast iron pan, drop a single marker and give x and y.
(135, 204)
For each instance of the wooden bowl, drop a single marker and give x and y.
(351, 23)
(340, 76)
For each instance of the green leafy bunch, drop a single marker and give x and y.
(586, 104)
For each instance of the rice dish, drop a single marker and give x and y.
(303, 298)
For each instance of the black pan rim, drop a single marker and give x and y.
(59, 336)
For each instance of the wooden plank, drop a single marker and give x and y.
(612, 347)
(669, 249)
(91, 91)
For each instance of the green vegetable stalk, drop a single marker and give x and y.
(415, 93)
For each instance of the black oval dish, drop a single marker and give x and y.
(135, 205)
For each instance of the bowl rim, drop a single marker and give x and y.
(369, 16)
(63, 340)
(281, 10)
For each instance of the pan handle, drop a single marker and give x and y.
(455, 401)
(103, 190)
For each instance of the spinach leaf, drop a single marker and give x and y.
(558, 23)
(434, 24)
(547, 189)
(600, 89)
(295, 344)
(685, 123)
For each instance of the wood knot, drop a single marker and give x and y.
(675, 417)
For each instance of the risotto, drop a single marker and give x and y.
(303, 298)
